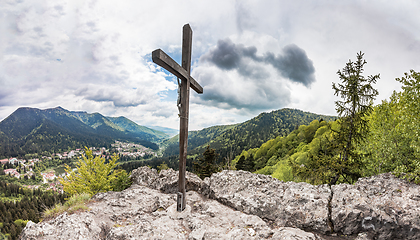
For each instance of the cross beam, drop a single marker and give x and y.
(162, 59)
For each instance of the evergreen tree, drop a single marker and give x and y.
(12, 231)
(246, 163)
(332, 156)
(357, 94)
(207, 165)
(240, 165)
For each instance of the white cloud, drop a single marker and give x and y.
(95, 55)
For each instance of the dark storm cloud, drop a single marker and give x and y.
(292, 63)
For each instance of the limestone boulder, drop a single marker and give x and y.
(287, 204)
(384, 206)
(165, 181)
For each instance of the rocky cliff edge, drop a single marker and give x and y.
(242, 205)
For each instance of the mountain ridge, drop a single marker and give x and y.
(30, 130)
(243, 136)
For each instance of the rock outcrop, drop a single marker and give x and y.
(144, 213)
(242, 205)
(166, 181)
(383, 205)
(290, 204)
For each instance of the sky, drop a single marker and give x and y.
(249, 56)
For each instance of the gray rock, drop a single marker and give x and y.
(385, 206)
(362, 236)
(144, 176)
(298, 205)
(242, 205)
(144, 213)
(293, 233)
(165, 181)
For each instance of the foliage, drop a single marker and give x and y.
(162, 166)
(206, 166)
(122, 180)
(21, 223)
(393, 144)
(410, 99)
(246, 163)
(75, 203)
(92, 175)
(312, 153)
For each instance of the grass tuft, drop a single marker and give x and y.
(74, 203)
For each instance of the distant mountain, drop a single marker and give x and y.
(169, 131)
(243, 136)
(154, 135)
(30, 130)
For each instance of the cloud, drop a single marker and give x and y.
(236, 76)
(244, 19)
(105, 48)
(118, 96)
(229, 89)
(292, 63)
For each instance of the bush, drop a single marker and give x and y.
(94, 176)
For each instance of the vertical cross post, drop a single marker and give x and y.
(163, 60)
(185, 96)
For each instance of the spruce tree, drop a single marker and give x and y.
(357, 95)
(334, 157)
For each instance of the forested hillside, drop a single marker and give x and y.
(23, 205)
(311, 152)
(195, 139)
(233, 139)
(146, 133)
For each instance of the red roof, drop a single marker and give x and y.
(4, 160)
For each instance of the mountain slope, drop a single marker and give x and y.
(147, 133)
(195, 139)
(169, 131)
(250, 134)
(30, 130)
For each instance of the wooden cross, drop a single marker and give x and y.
(163, 60)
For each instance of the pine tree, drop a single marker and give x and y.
(246, 163)
(333, 157)
(207, 165)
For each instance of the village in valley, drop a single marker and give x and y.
(45, 170)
